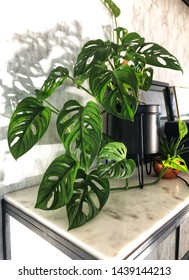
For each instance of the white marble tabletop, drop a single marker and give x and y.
(126, 221)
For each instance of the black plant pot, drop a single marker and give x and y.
(140, 136)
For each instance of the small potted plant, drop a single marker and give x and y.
(115, 71)
(169, 163)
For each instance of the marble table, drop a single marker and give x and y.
(126, 222)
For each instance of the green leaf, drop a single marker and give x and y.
(28, 124)
(113, 7)
(183, 129)
(56, 78)
(132, 39)
(56, 188)
(181, 148)
(116, 166)
(89, 196)
(112, 88)
(158, 56)
(121, 33)
(80, 129)
(145, 80)
(175, 162)
(93, 52)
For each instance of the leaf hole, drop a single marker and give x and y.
(77, 200)
(53, 178)
(90, 59)
(19, 124)
(88, 126)
(148, 73)
(162, 61)
(85, 208)
(146, 48)
(50, 201)
(19, 132)
(96, 201)
(121, 151)
(16, 139)
(33, 129)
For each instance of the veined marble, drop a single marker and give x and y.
(126, 221)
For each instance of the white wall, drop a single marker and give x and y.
(164, 22)
(35, 35)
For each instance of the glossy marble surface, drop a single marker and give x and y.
(126, 221)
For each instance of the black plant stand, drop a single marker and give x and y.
(141, 156)
(140, 136)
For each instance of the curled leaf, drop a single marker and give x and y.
(113, 163)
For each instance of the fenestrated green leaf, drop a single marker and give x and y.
(158, 56)
(113, 163)
(93, 52)
(89, 196)
(145, 80)
(121, 34)
(132, 39)
(113, 7)
(56, 78)
(80, 129)
(28, 124)
(56, 188)
(123, 90)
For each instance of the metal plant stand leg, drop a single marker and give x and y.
(140, 171)
(149, 168)
(141, 155)
(6, 233)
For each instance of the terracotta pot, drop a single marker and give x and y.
(169, 174)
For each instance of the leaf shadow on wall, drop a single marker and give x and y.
(36, 55)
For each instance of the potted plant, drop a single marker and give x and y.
(115, 71)
(169, 163)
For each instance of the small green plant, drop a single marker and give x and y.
(171, 150)
(115, 71)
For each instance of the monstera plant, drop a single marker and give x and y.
(115, 70)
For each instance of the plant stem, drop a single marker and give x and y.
(126, 187)
(111, 65)
(158, 178)
(55, 110)
(78, 85)
(116, 25)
